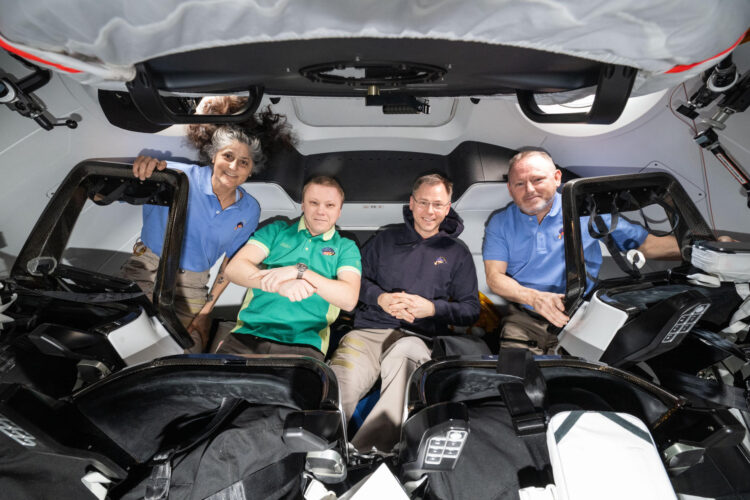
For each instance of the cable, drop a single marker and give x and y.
(708, 191)
(705, 172)
(694, 129)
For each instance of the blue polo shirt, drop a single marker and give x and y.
(209, 230)
(535, 252)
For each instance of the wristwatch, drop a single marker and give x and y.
(301, 268)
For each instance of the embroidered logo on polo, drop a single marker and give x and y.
(560, 234)
(328, 251)
(239, 225)
(440, 260)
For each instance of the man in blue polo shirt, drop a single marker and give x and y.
(524, 254)
(311, 273)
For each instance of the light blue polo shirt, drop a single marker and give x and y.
(535, 252)
(209, 230)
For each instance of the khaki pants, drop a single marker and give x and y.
(190, 288)
(231, 344)
(362, 357)
(520, 327)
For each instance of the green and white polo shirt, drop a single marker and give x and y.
(274, 317)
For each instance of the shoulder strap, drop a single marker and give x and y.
(157, 487)
(524, 397)
(602, 232)
(713, 392)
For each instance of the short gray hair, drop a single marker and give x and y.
(226, 135)
(528, 153)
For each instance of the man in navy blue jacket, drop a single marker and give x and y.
(416, 276)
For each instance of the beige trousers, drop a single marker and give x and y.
(231, 344)
(362, 357)
(190, 289)
(519, 328)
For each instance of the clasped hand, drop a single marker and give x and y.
(283, 280)
(406, 306)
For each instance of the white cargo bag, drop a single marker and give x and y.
(596, 455)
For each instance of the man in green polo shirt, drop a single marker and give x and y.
(311, 273)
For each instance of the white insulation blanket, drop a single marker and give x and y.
(102, 40)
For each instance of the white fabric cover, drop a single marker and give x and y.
(726, 266)
(591, 329)
(105, 38)
(605, 455)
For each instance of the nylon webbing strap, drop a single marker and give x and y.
(225, 409)
(614, 250)
(711, 391)
(576, 415)
(740, 320)
(604, 233)
(647, 221)
(120, 193)
(628, 426)
(105, 200)
(159, 481)
(715, 341)
(567, 424)
(524, 398)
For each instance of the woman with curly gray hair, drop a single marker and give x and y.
(221, 216)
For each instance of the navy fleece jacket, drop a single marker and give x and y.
(439, 268)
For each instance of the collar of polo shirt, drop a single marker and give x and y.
(326, 236)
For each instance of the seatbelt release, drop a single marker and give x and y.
(527, 420)
(524, 397)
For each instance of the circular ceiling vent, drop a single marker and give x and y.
(365, 74)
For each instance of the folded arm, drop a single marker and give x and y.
(243, 269)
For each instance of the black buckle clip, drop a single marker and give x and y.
(529, 424)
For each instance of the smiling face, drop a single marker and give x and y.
(532, 183)
(430, 205)
(321, 207)
(232, 166)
